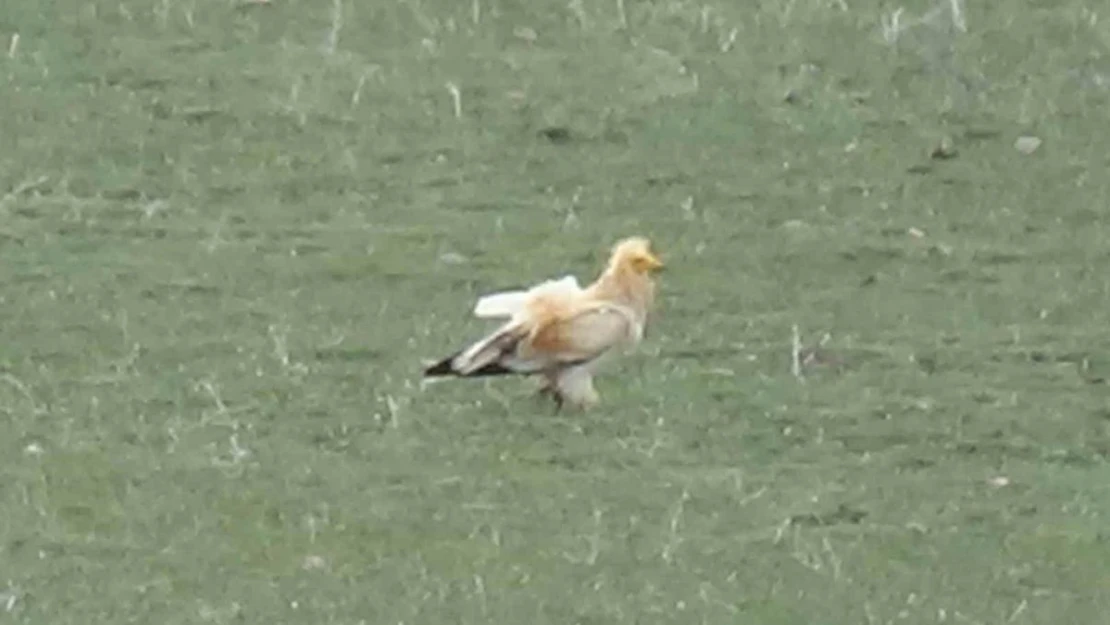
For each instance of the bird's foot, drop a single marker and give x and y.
(547, 392)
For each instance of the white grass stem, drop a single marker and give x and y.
(834, 560)
(357, 95)
(214, 394)
(595, 540)
(480, 590)
(281, 346)
(796, 353)
(579, 11)
(673, 539)
(730, 40)
(23, 390)
(336, 26)
(456, 99)
(1018, 611)
(394, 411)
(958, 15)
(13, 46)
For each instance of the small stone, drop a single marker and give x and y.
(313, 562)
(940, 249)
(452, 258)
(943, 150)
(1027, 144)
(526, 34)
(556, 134)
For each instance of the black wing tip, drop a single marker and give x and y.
(490, 370)
(444, 368)
(440, 369)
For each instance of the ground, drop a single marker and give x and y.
(232, 234)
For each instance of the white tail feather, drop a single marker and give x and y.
(499, 305)
(509, 303)
(564, 285)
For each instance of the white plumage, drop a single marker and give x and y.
(509, 303)
(558, 330)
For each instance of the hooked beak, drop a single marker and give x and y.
(654, 265)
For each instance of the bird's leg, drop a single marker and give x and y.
(553, 393)
(559, 400)
(576, 387)
(547, 386)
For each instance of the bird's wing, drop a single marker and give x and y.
(580, 334)
(492, 355)
(509, 303)
(548, 334)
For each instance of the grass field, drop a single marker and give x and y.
(231, 233)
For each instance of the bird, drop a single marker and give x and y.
(559, 331)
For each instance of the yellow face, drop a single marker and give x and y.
(647, 263)
(638, 255)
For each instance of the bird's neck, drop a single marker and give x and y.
(628, 288)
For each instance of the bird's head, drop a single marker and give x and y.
(635, 255)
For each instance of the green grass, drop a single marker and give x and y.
(227, 248)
